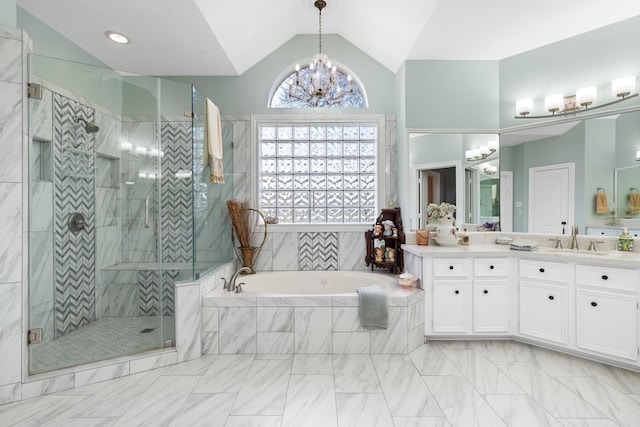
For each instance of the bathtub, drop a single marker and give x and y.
(315, 282)
(310, 312)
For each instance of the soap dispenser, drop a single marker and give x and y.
(625, 241)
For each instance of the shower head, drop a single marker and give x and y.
(89, 127)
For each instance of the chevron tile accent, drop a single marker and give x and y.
(151, 290)
(318, 251)
(74, 191)
(176, 206)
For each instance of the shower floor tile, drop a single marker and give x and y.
(105, 338)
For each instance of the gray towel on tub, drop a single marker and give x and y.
(373, 307)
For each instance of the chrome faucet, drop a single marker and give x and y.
(232, 282)
(574, 237)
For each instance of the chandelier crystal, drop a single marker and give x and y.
(320, 84)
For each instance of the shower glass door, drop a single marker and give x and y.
(100, 278)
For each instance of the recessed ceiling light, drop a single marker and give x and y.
(118, 37)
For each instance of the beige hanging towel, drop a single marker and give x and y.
(212, 155)
(634, 201)
(601, 202)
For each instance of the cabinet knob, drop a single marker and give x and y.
(456, 292)
(451, 267)
(605, 277)
(594, 304)
(491, 267)
(542, 270)
(551, 297)
(485, 292)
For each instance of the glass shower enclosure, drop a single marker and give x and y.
(111, 211)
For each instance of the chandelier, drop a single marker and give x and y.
(319, 84)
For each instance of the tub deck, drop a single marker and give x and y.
(253, 322)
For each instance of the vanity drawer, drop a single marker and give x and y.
(593, 275)
(544, 270)
(490, 267)
(450, 267)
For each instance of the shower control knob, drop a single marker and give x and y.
(77, 222)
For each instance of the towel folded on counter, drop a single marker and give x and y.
(524, 245)
(634, 203)
(602, 205)
(373, 307)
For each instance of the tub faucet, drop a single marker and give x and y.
(574, 237)
(232, 281)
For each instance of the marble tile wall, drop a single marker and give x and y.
(323, 325)
(14, 45)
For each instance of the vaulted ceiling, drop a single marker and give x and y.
(227, 37)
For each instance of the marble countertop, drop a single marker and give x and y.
(609, 258)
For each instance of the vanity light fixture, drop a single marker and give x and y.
(559, 106)
(483, 152)
(637, 156)
(488, 169)
(117, 37)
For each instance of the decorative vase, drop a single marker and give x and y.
(246, 255)
(446, 228)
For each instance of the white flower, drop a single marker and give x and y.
(442, 210)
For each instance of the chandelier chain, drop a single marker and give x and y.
(320, 30)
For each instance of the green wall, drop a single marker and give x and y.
(8, 13)
(249, 92)
(592, 58)
(452, 94)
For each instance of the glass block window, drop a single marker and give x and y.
(318, 173)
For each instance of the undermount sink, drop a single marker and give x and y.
(577, 251)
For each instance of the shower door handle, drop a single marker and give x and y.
(146, 212)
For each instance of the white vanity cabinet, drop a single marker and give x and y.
(569, 301)
(470, 296)
(491, 295)
(451, 296)
(606, 311)
(544, 300)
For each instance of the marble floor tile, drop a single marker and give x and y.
(587, 422)
(160, 403)
(37, 412)
(355, 374)
(559, 364)
(623, 380)
(83, 422)
(310, 402)
(404, 389)
(226, 374)
(363, 410)
(307, 390)
(461, 403)
(253, 421)
(312, 364)
(608, 400)
(204, 410)
(450, 345)
(430, 360)
(554, 397)
(481, 372)
(421, 422)
(113, 398)
(521, 411)
(265, 389)
(192, 367)
(503, 350)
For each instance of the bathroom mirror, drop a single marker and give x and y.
(440, 172)
(591, 151)
(627, 191)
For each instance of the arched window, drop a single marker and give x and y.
(288, 95)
